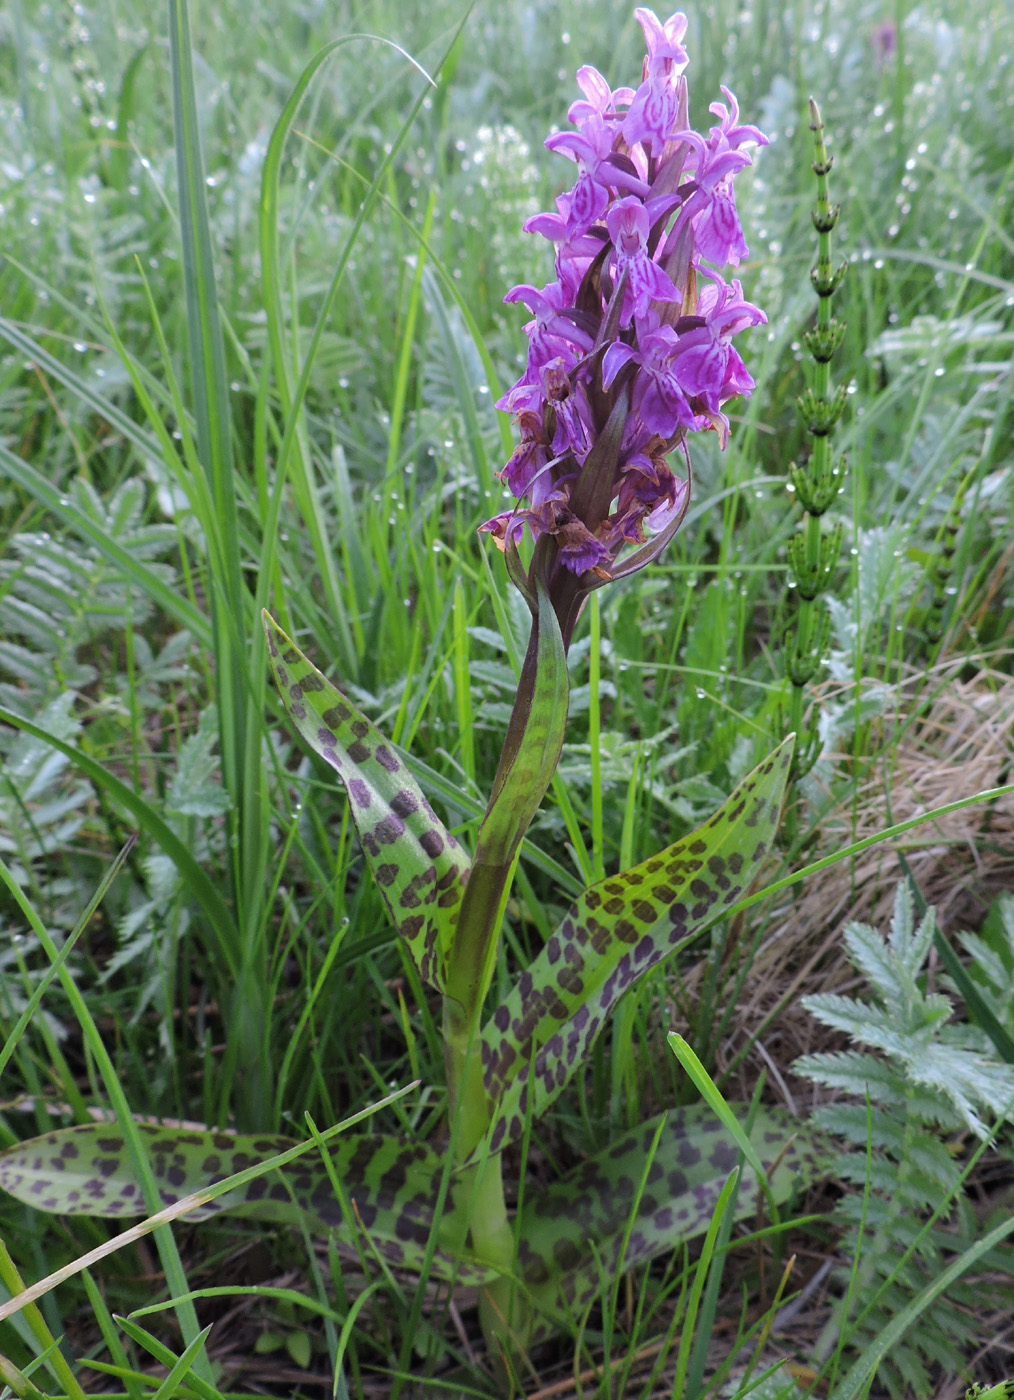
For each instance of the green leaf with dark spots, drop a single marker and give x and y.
(612, 935)
(393, 1185)
(417, 864)
(592, 1205)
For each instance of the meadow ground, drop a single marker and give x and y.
(188, 931)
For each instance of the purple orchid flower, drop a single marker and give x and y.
(649, 122)
(628, 223)
(659, 400)
(627, 355)
(708, 366)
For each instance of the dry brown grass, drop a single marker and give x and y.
(961, 744)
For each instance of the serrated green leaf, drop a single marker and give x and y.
(419, 867)
(592, 1205)
(392, 1184)
(194, 791)
(612, 935)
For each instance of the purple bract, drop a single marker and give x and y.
(638, 317)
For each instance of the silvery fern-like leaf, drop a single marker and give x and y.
(912, 1026)
(194, 791)
(992, 955)
(921, 1078)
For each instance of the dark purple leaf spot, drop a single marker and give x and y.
(386, 832)
(432, 843)
(566, 1254)
(644, 949)
(570, 981)
(386, 759)
(723, 1156)
(403, 804)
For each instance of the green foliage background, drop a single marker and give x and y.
(240, 967)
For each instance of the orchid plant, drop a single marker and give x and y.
(629, 353)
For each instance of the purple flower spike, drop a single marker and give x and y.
(627, 355)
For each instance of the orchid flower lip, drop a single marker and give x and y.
(630, 346)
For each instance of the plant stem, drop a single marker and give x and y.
(812, 555)
(530, 753)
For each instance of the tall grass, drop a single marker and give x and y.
(253, 262)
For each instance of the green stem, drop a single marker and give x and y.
(598, 839)
(530, 754)
(811, 557)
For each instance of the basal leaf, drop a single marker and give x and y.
(416, 862)
(613, 934)
(393, 1184)
(592, 1205)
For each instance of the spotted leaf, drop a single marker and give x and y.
(613, 934)
(416, 862)
(393, 1184)
(592, 1205)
